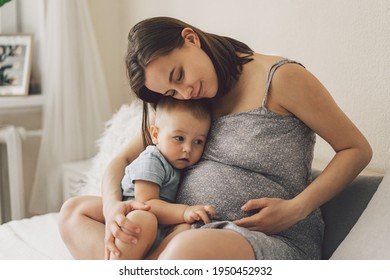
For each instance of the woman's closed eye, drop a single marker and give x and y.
(180, 76)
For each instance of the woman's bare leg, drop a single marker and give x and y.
(176, 230)
(81, 224)
(208, 244)
(147, 221)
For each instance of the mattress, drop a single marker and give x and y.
(35, 238)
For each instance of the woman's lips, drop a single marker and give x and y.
(200, 92)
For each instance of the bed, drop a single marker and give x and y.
(38, 238)
(35, 238)
(357, 220)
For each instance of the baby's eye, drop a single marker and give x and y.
(198, 142)
(179, 138)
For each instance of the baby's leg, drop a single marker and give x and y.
(147, 221)
(176, 230)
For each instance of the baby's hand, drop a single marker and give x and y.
(198, 212)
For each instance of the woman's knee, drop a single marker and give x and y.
(65, 217)
(72, 211)
(67, 214)
(67, 210)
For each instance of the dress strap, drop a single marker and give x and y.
(271, 72)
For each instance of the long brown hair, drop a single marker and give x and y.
(158, 36)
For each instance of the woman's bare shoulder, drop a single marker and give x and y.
(291, 84)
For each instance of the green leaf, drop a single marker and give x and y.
(2, 2)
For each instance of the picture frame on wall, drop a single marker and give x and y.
(15, 64)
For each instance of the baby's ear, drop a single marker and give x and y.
(154, 134)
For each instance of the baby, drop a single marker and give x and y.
(179, 136)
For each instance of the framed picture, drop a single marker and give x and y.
(15, 63)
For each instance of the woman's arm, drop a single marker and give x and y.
(170, 213)
(114, 209)
(311, 102)
(115, 171)
(297, 92)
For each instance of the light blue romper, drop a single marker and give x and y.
(153, 167)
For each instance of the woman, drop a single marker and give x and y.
(256, 166)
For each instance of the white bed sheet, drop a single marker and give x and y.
(36, 238)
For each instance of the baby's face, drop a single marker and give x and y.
(181, 138)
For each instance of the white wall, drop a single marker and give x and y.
(344, 43)
(31, 20)
(108, 20)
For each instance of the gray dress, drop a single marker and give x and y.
(253, 155)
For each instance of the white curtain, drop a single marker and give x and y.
(76, 98)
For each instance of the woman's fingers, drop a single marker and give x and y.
(251, 223)
(255, 204)
(110, 246)
(121, 228)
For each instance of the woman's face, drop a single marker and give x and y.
(185, 73)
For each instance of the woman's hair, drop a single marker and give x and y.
(158, 36)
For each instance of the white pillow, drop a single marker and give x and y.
(369, 237)
(122, 126)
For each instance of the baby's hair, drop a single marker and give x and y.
(200, 109)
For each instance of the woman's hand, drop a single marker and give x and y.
(198, 212)
(118, 226)
(275, 215)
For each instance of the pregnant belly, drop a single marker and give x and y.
(227, 188)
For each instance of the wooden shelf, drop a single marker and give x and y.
(21, 102)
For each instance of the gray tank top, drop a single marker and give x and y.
(252, 155)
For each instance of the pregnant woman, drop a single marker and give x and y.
(256, 167)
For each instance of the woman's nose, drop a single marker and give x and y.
(186, 92)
